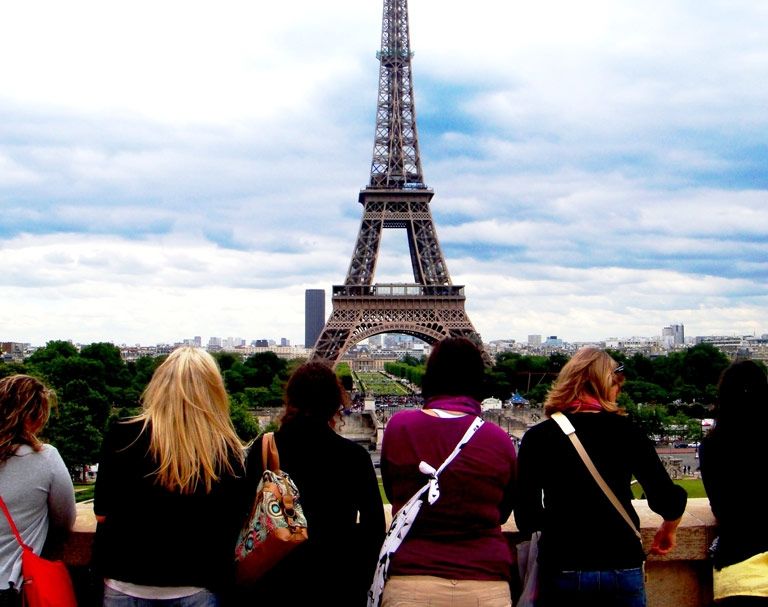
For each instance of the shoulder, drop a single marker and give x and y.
(540, 430)
(403, 418)
(710, 446)
(348, 448)
(50, 453)
(126, 435)
(46, 453)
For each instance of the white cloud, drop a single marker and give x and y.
(175, 169)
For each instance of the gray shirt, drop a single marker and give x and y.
(37, 489)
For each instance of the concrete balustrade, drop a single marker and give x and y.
(683, 578)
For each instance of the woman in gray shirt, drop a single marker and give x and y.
(34, 482)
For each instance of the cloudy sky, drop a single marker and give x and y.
(170, 169)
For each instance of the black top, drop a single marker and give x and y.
(581, 530)
(336, 483)
(157, 537)
(732, 476)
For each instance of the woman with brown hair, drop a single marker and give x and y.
(339, 494)
(732, 469)
(169, 493)
(588, 554)
(34, 482)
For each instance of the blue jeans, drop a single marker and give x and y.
(114, 598)
(606, 588)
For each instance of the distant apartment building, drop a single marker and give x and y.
(376, 341)
(729, 345)
(13, 350)
(231, 343)
(284, 341)
(673, 335)
(534, 341)
(314, 315)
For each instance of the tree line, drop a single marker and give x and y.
(95, 386)
(667, 395)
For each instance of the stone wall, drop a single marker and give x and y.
(683, 578)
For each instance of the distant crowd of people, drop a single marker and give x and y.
(175, 486)
(410, 400)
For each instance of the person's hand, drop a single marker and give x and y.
(665, 538)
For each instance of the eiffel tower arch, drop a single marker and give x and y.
(431, 308)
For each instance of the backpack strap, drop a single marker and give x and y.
(425, 468)
(567, 427)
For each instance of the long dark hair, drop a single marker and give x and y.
(314, 392)
(454, 368)
(742, 401)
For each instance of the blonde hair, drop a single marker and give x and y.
(25, 404)
(589, 373)
(187, 411)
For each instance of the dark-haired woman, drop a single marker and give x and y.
(339, 494)
(34, 482)
(455, 553)
(731, 460)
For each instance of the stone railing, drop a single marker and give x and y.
(683, 578)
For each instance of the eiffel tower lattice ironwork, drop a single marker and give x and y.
(431, 308)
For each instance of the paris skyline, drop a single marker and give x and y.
(598, 170)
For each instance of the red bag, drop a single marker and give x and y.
(45, 583)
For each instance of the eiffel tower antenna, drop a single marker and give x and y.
(431, 308)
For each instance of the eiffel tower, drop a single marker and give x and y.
(431, 308)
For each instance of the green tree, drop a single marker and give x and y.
(344, 374)
(73, 432)
(13, 368)
(226, 360)
(51, 350)
(645, 392)
(246, 425)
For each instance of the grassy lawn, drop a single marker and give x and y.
(381, 490)
(83, 492)
(693, 486)
(380, 385)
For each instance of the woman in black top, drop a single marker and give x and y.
(339, 494)
(731, 460)
(588, 555)
(169, 493)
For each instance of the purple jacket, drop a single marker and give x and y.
(459, 537)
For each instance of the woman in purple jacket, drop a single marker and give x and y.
(455, 553)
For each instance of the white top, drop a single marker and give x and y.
(37, 489)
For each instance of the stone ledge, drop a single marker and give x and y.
(683, 578)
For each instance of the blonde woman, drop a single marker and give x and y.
(34, 482)
(169, 493)
(588, 555)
